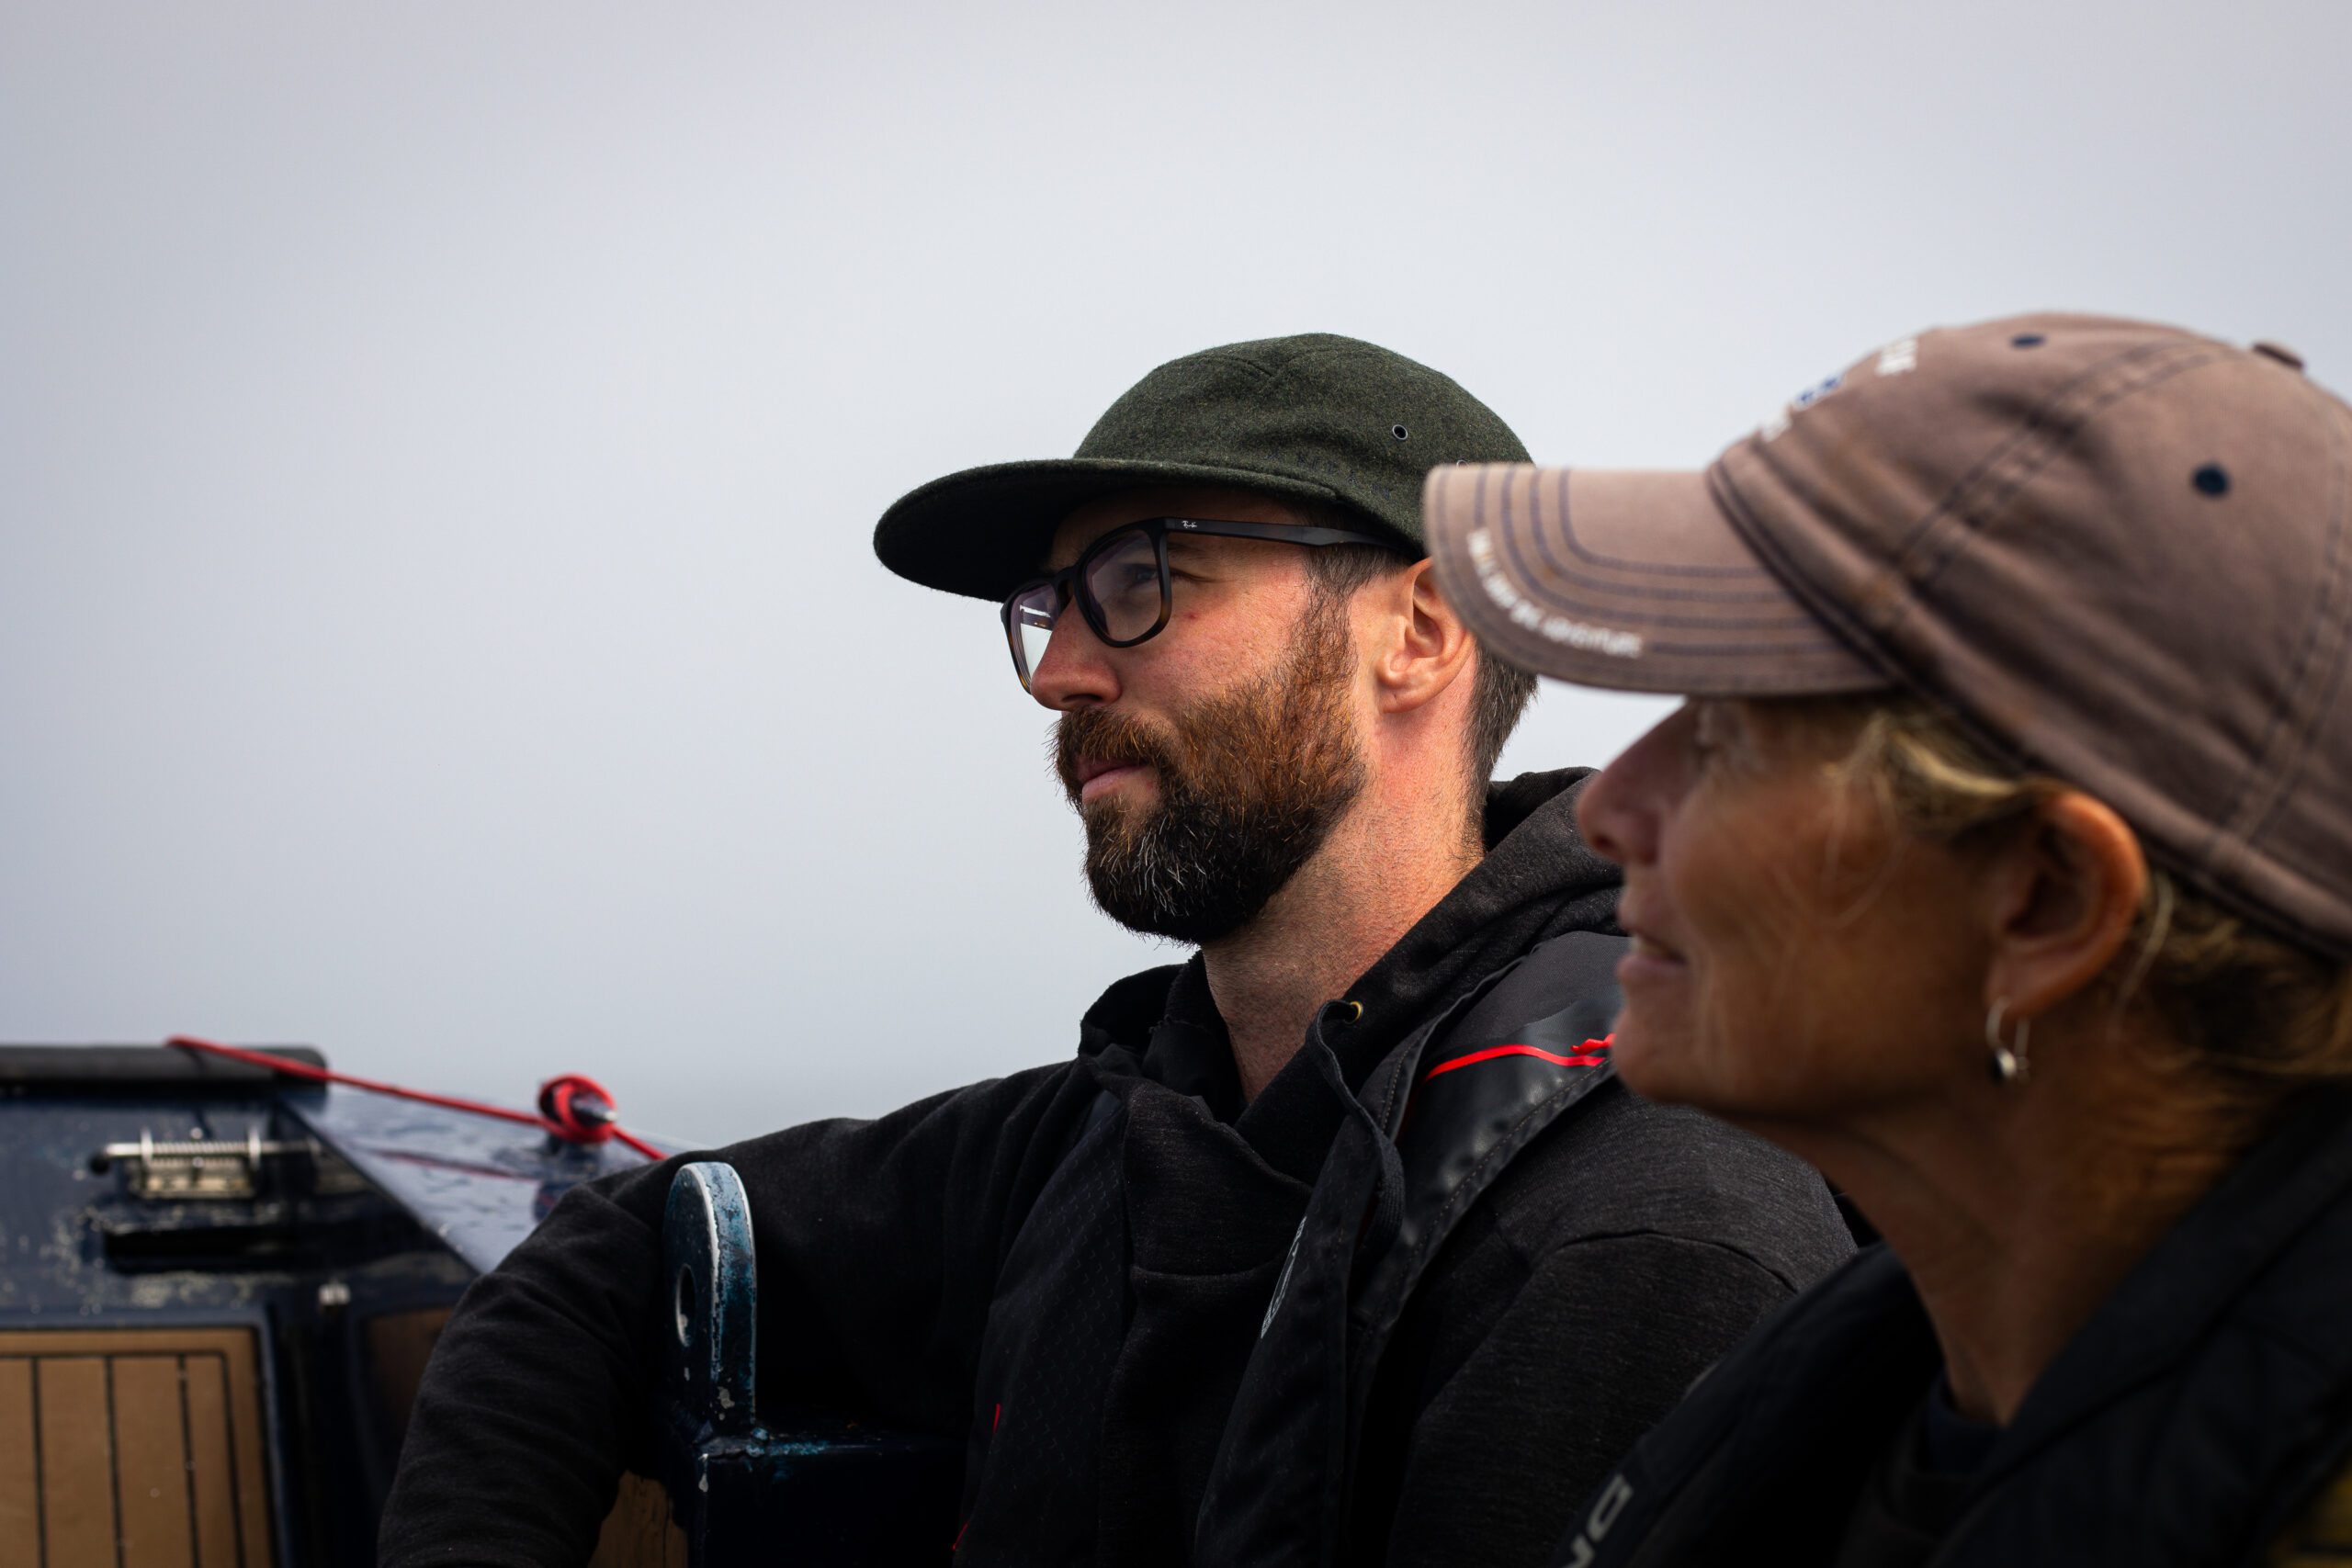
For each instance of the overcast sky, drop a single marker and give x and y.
(440, 442)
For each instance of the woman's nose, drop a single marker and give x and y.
(1602, 820)
(1618, 812)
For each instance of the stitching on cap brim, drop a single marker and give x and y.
(1711, 620)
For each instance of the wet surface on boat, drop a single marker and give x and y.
(482, 1186)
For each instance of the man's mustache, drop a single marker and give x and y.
(1108, 737)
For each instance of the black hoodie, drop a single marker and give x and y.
(1072, 1266)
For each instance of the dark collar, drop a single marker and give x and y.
(1538, 880)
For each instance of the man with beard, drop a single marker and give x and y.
(1337, 1241)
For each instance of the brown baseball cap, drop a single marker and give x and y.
(2117, 552)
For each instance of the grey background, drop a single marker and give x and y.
(438, 442)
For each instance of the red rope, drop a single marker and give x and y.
(564, 1116)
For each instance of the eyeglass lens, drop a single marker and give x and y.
(1124, 581)
(1124, 590)
(1031, 623)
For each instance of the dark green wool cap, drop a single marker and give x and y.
(1316, 416)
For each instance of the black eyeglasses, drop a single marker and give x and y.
(1121, 583)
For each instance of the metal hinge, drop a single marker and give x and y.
(194, 1168)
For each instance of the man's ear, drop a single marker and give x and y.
(2063, 896)
(1424, 648)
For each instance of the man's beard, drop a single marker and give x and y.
(1250, 781)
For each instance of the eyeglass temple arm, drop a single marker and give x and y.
(1291, 533)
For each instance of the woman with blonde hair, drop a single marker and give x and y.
(1999, 864)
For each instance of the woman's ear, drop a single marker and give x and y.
(1425, 648)
(2065, 894)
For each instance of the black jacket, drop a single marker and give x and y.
(2198, 1410)
(1073, 1266)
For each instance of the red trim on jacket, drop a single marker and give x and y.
(1586, 1056)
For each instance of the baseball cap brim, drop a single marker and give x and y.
(985, 531)
(1636, 581)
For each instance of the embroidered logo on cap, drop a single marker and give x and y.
(1529, 617)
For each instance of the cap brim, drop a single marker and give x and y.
(1634, 582)
(985, 531)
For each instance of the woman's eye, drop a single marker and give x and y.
(1709, 733)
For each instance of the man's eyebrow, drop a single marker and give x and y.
(1192, 547)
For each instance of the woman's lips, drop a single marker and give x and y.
(1095, 778)
(1647, 959)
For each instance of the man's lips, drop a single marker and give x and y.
(1096, 775)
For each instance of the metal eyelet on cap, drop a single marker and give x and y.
(1398, 431)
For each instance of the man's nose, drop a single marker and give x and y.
(1075, 669)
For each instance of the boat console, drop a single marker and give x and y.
(219, 1286)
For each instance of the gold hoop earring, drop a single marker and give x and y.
(2009, 1062)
